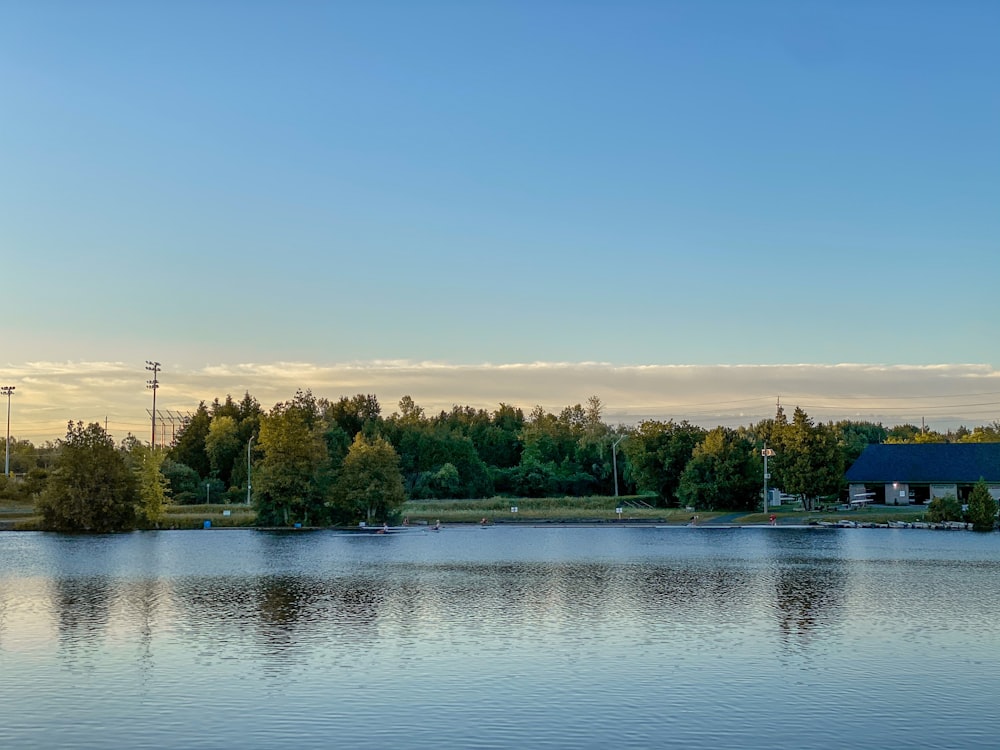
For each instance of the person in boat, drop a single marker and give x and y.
(385, 529)
(437, 525)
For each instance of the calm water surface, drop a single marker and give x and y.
(501, 638)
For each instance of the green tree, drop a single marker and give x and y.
(248, 421)
(91, 487)
(31, 467)
(853, 437)
(529, 479)
(182, 481)
(495, 436)
(571, 448)
(982, 434)
(982, 507)
(292, 478)
(425, 449)
(447, 481)
(353, 415)
(722, 473)
(903, 433)
(370, 484)
(809, 461)
(946, 508)
(223, 445)
(550, 439)
(190, 446)
(499, 443)
(657, 454)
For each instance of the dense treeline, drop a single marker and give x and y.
(315, 461)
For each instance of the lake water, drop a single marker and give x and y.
(504, 637)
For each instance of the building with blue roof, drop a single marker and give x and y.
(900, 474)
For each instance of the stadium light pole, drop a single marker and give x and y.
(6, 390)
(153, 367)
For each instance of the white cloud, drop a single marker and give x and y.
(48, 394)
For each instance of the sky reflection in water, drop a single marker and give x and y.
(501, 637)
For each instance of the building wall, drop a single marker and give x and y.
(943, 490)
(897, 493)
(855, 490)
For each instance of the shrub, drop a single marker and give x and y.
(945, 508)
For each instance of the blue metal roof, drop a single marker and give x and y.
(927, 463)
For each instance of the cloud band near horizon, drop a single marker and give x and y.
(49, 394)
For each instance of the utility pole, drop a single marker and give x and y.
(6, 390)
(153, 367)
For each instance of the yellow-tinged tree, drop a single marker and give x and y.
(154, 488)
(370, 484)
(291, 479)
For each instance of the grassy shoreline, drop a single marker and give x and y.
(498, 510)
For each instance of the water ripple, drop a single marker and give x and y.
(548, 638)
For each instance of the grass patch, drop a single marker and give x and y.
(870, 514)
(194, 516)
(19, 516)
(555, 509)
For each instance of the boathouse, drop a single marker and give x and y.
(917, 473)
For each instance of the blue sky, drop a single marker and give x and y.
(219, 184)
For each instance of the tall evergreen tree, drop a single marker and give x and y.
(982, 507)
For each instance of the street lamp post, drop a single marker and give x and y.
(766, 453)
(614, 461)
(249, 443)
(6, 390)
(153, 367)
